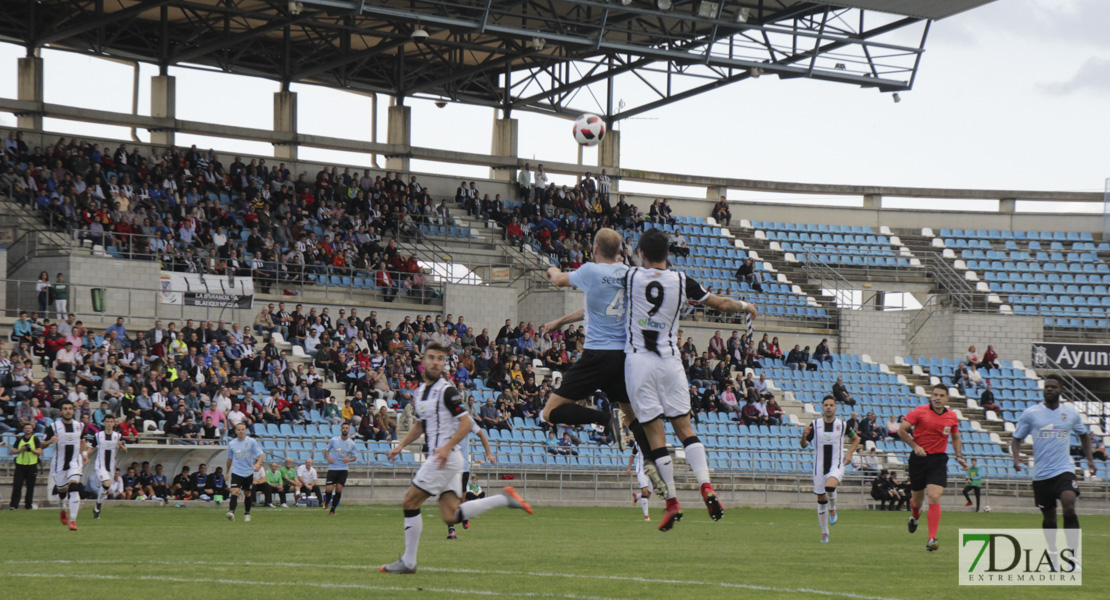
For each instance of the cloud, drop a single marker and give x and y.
(1074, 22)
(1094, 75)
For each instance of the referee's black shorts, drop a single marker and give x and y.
(931, 469)
(595, 370)
(244, 483)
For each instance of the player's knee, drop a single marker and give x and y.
(646, 493)
(830, 490)
(658, 453)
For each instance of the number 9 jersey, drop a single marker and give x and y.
(653, 373)
(654, 301)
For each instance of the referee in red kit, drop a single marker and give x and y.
(928, 465)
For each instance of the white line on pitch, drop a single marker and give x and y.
(720, 584)
(346, 586)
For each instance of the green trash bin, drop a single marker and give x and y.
(98, 299)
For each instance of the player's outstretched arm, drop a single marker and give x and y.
(565, 320)
(558, 278)
(415, 431)
(958, 446)
(728, 305)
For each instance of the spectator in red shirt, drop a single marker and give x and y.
(990, 359)
(384, 281)
(128, 431)
(932, 425)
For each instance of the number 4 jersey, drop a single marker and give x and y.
(603, 285)
(654, 301)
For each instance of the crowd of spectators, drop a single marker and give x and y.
(194, 213)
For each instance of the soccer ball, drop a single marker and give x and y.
(986, 509)
(589, 129)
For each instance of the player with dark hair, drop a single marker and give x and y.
(108, 444)
(829, 460)
(67, 465)
(656, 380)
(443, 420)
(1051, 424)
(244, 457)
(340, 452)
(933, 424)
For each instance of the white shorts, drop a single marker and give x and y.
(643, 480)
(837, 473)
(435, 481)
(64, 477)
(657, 386)
(103, 476)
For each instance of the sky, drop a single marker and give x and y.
(1012, 95)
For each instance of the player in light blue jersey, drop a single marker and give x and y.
(244, 457)
(341, 450)
(601, 366)
(1051, 425)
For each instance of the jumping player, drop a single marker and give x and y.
(464, 447)
(1051, 425)
(341, 451)
(829, 460)
(642, 496)
(443, 419)
(108, 444)
(933, 424)
(655, 297)
(244, 457)
(66, 466)
(601, 366)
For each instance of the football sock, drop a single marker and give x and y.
(1049, 529)
(934, 520)
(696, 459)
(100, 497)
(414, 524)
(335, 500)
(831, 493)
(473, 508)
(234, 502)
(573, 413)
(327, 499)
(76, 505)
(636, 496)
(1071, 531)
(247, 503)
(644, 505)
(916, 509)
(641, 438)
(665, 464)
(823, 516)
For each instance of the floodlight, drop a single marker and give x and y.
(708, 10)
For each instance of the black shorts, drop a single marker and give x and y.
(241, 482)
(1046, 491)
(926, 470)
(336, 477)
(596, 370)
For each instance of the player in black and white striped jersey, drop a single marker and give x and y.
(108, 444)
(66, 466)
(656, 381)
(827, 435)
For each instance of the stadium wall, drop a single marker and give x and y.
(483, 306)
(950, 334)
(880, 334)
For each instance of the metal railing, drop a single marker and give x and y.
(1085, 401)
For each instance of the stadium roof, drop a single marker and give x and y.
(554, 56)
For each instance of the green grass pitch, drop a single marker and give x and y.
(597, 553)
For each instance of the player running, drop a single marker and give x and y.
(66, 466)
(641, 497)
(444, 421)
(655, 297)
(1051, 425)
(829, 460)
(464, 447)
(933, 424)
(244, 458)
(341, 451)
(108, 444)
